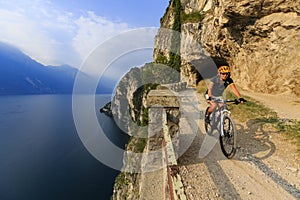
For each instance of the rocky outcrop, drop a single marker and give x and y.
(122, 105)
(128, 105)
(258, 38)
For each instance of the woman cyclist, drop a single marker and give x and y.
(217, 86)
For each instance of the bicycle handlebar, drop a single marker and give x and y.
(234, 101)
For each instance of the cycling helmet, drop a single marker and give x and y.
(224, 69)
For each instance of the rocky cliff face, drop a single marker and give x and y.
(122, 106)
(260, 39)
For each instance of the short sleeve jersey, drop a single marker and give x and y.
(219, 86)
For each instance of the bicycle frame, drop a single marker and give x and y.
(222, 109)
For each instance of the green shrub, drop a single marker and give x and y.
(192, 17)
(161, 59)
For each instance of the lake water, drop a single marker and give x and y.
(41, 155)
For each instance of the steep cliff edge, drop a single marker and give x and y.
(259, 39)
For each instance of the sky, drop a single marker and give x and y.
(58, 32)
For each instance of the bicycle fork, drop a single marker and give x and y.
(223, 113)
(221, 124)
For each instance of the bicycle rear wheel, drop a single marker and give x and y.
(207, 125)
(228, 141)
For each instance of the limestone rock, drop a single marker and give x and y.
(259, 39)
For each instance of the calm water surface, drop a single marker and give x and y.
(41, 155)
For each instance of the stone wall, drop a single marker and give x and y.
(163, 132)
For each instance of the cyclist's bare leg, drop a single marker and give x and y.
(212, 107)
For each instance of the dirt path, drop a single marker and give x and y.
(265, 166)
(285, 105)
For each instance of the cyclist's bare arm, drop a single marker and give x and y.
(210, 89)
(236, 92)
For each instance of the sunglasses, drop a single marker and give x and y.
(224, 73)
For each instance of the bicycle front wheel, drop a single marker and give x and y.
(228, 141)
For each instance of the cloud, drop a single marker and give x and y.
(114, 57)
(94, 30)
(51, 35)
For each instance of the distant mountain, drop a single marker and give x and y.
(19, 74)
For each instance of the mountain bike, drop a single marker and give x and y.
(221, 121)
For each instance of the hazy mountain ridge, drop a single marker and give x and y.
(19, 74)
